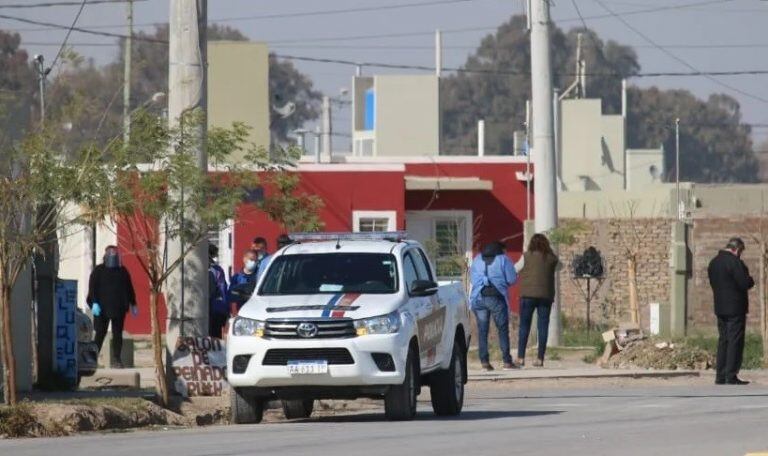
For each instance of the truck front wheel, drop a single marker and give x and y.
(298, 408)
(447, 386)
(400, 401)
(245, 408)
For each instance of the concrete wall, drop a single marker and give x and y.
(580, 144)
(407, 115)
(645, 168)
(238, 87)
(651, 202)
(612, 153)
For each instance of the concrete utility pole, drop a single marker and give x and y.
(677, 168)
(438, 53)
(127, 53)
(187, 84)
(545, 182)
(327, 129)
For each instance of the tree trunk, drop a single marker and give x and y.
(9, 360)
(157, 347)
(634, 309)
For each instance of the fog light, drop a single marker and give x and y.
(240, 363)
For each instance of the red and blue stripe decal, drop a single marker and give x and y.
(335, 306)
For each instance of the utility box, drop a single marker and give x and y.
(660, 319)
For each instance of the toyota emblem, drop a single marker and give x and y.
(306, 330)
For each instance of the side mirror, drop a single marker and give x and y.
(423, 288)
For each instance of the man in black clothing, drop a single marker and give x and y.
(730, 281)
(110, 296)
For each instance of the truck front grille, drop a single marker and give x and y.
(326, 329)
(281, 356)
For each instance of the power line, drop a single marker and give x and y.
(578, 11)
(675, 57)
(69, 32)
(79, 29)
(340, 11)
(50, 4)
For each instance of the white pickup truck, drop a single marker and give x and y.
(344, 317)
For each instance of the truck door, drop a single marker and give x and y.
(430, 313)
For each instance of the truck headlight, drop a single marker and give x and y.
(384, 324)
(246, 327)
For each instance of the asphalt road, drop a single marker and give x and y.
(679, 420)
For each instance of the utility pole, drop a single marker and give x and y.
(327, 129)
(438, 53)
(187, 84)
(545, 182)
(677, 168)
(127, 55)
(41, 74)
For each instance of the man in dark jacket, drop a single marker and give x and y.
(730, 281)
(110, 296)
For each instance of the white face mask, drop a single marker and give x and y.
(250, 265)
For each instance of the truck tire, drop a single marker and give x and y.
(244, 407)
(298, 408)
(447, 386)
(400, 400)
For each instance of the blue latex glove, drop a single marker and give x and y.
(96, 309)
(134, 310)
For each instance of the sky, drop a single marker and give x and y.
(706, 35)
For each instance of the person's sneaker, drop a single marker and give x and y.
(521, 362)
(538, 363)
(486, 367)
(510, 366)
(719, 381)
(737, 381)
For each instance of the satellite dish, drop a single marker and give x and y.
(286, 110)
(654, 172)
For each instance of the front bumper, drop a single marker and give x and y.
(362, 372)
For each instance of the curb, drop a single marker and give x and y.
(632, 375)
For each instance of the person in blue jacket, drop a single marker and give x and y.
(491, 275)
(282, 241)
(242, 284)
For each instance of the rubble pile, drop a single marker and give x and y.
(628, 348)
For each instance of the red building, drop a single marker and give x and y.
(453, 205)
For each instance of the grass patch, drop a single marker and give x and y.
(575, 334)
(753, 348)
(126, 404)
(16, 420)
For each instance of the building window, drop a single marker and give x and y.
(374, 221)
(449, 235)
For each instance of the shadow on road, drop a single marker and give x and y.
(606, 396)
(472, 415)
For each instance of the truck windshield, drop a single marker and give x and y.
(331, 273)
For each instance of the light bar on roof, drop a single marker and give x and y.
(393, 236)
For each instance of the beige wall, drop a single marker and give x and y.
(612, 153)
(650, 202)
(238, 87)
(407, 115)
(580, 143)
(639, 163)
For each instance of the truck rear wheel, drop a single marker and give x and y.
(400, 401)
(244, 407)
(447, 386)
(298, 408)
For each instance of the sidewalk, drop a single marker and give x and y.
(574, 373)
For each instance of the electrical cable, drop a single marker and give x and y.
(69, 32)
(678, 59)
(71, 3)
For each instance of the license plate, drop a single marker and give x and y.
(307, 367)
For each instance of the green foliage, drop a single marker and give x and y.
(295, 210)
(565, 234)
(17, 84)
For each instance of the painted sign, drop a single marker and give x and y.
(65, 330)
(200, 366)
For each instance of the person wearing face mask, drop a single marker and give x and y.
(259, 245)
(110, 297)
(282, 241)
(241, 285)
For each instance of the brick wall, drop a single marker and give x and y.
(650, 238)
(709, 235)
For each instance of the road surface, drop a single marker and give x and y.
(613, 420)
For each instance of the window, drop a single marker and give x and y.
(450, 247)
(374, 221)
(409, 270)
(422, 267)
(331, 273)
